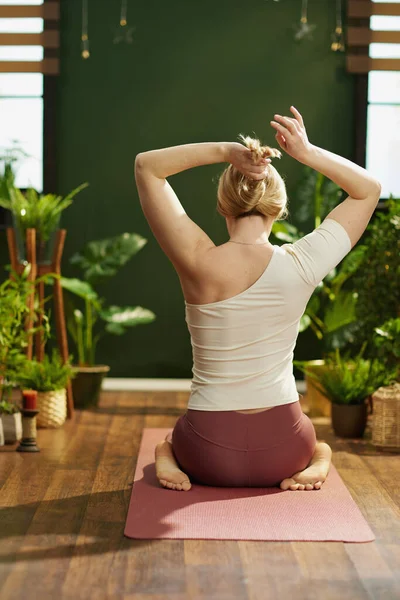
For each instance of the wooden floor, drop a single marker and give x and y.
(63, 513)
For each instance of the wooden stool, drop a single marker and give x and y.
(37, 270)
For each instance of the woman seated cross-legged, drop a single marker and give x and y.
(244, 426)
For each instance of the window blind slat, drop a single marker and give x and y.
(47, 39)
(48, 10)
(48, 66)
(364, 64)
(361, 9)
(362, 36)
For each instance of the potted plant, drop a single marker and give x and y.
(14, 335)
(49, 378)
(99, 261)
(11, 421)
(348, 383)
(35, 211)
(386, 340)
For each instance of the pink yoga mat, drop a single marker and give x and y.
(212, 513)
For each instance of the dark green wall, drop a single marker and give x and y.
(197, 71)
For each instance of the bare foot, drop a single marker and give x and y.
(167, 469)
(315, 474)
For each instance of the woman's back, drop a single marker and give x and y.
(243, 344)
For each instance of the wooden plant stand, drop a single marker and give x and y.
(38, 271)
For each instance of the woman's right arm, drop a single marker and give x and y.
(352, 214)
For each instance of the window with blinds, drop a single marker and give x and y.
(29, 42)
(373, 52)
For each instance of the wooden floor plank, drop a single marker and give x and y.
(63, 512)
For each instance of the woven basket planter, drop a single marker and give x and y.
(52, 408)
(386, 417)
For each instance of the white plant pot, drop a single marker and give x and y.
(12, 427)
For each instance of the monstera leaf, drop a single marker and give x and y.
(102, 259)
(118, 319)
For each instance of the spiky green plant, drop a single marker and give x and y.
(37, 211)
(349, 380)
(48, 375)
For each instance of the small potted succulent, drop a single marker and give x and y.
(99, 261)
(349, 383)
(11, 421)
(49, 378)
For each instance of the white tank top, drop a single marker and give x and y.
(243, 346)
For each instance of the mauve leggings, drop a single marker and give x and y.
(232, 449)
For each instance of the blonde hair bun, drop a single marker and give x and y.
(239, 196)
(257, 150)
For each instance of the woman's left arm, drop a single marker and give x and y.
(184, 242)
(168, 161)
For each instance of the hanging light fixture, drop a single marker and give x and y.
(123, 32)
(304, 29)
(85, 36)
(338, 44)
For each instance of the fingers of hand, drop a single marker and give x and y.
(291, 124)
(298, 116)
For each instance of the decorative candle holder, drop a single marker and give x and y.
(28, 442)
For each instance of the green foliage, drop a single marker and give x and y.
(99, 261)
(49, 375)
(377, 279)
(40, 212)
(349, 381)
(386, 340)
(14, 294)
(8, 408)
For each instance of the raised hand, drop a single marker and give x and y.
(291, 135)
(242, 158)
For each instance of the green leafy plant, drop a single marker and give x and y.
(48, 375)
(99, 261)
(8, 408)
(386, 340)
(14, 336)
(377, 277)
(346, 380)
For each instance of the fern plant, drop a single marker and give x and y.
(49, 375)
(349, 381)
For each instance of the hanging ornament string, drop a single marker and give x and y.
(123, 32)
(304, 29)
(123, 21)
(338, 44)
(85, 36)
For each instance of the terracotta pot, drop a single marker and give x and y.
(86, 385)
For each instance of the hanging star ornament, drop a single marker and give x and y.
(123, 34)
(303, 30)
